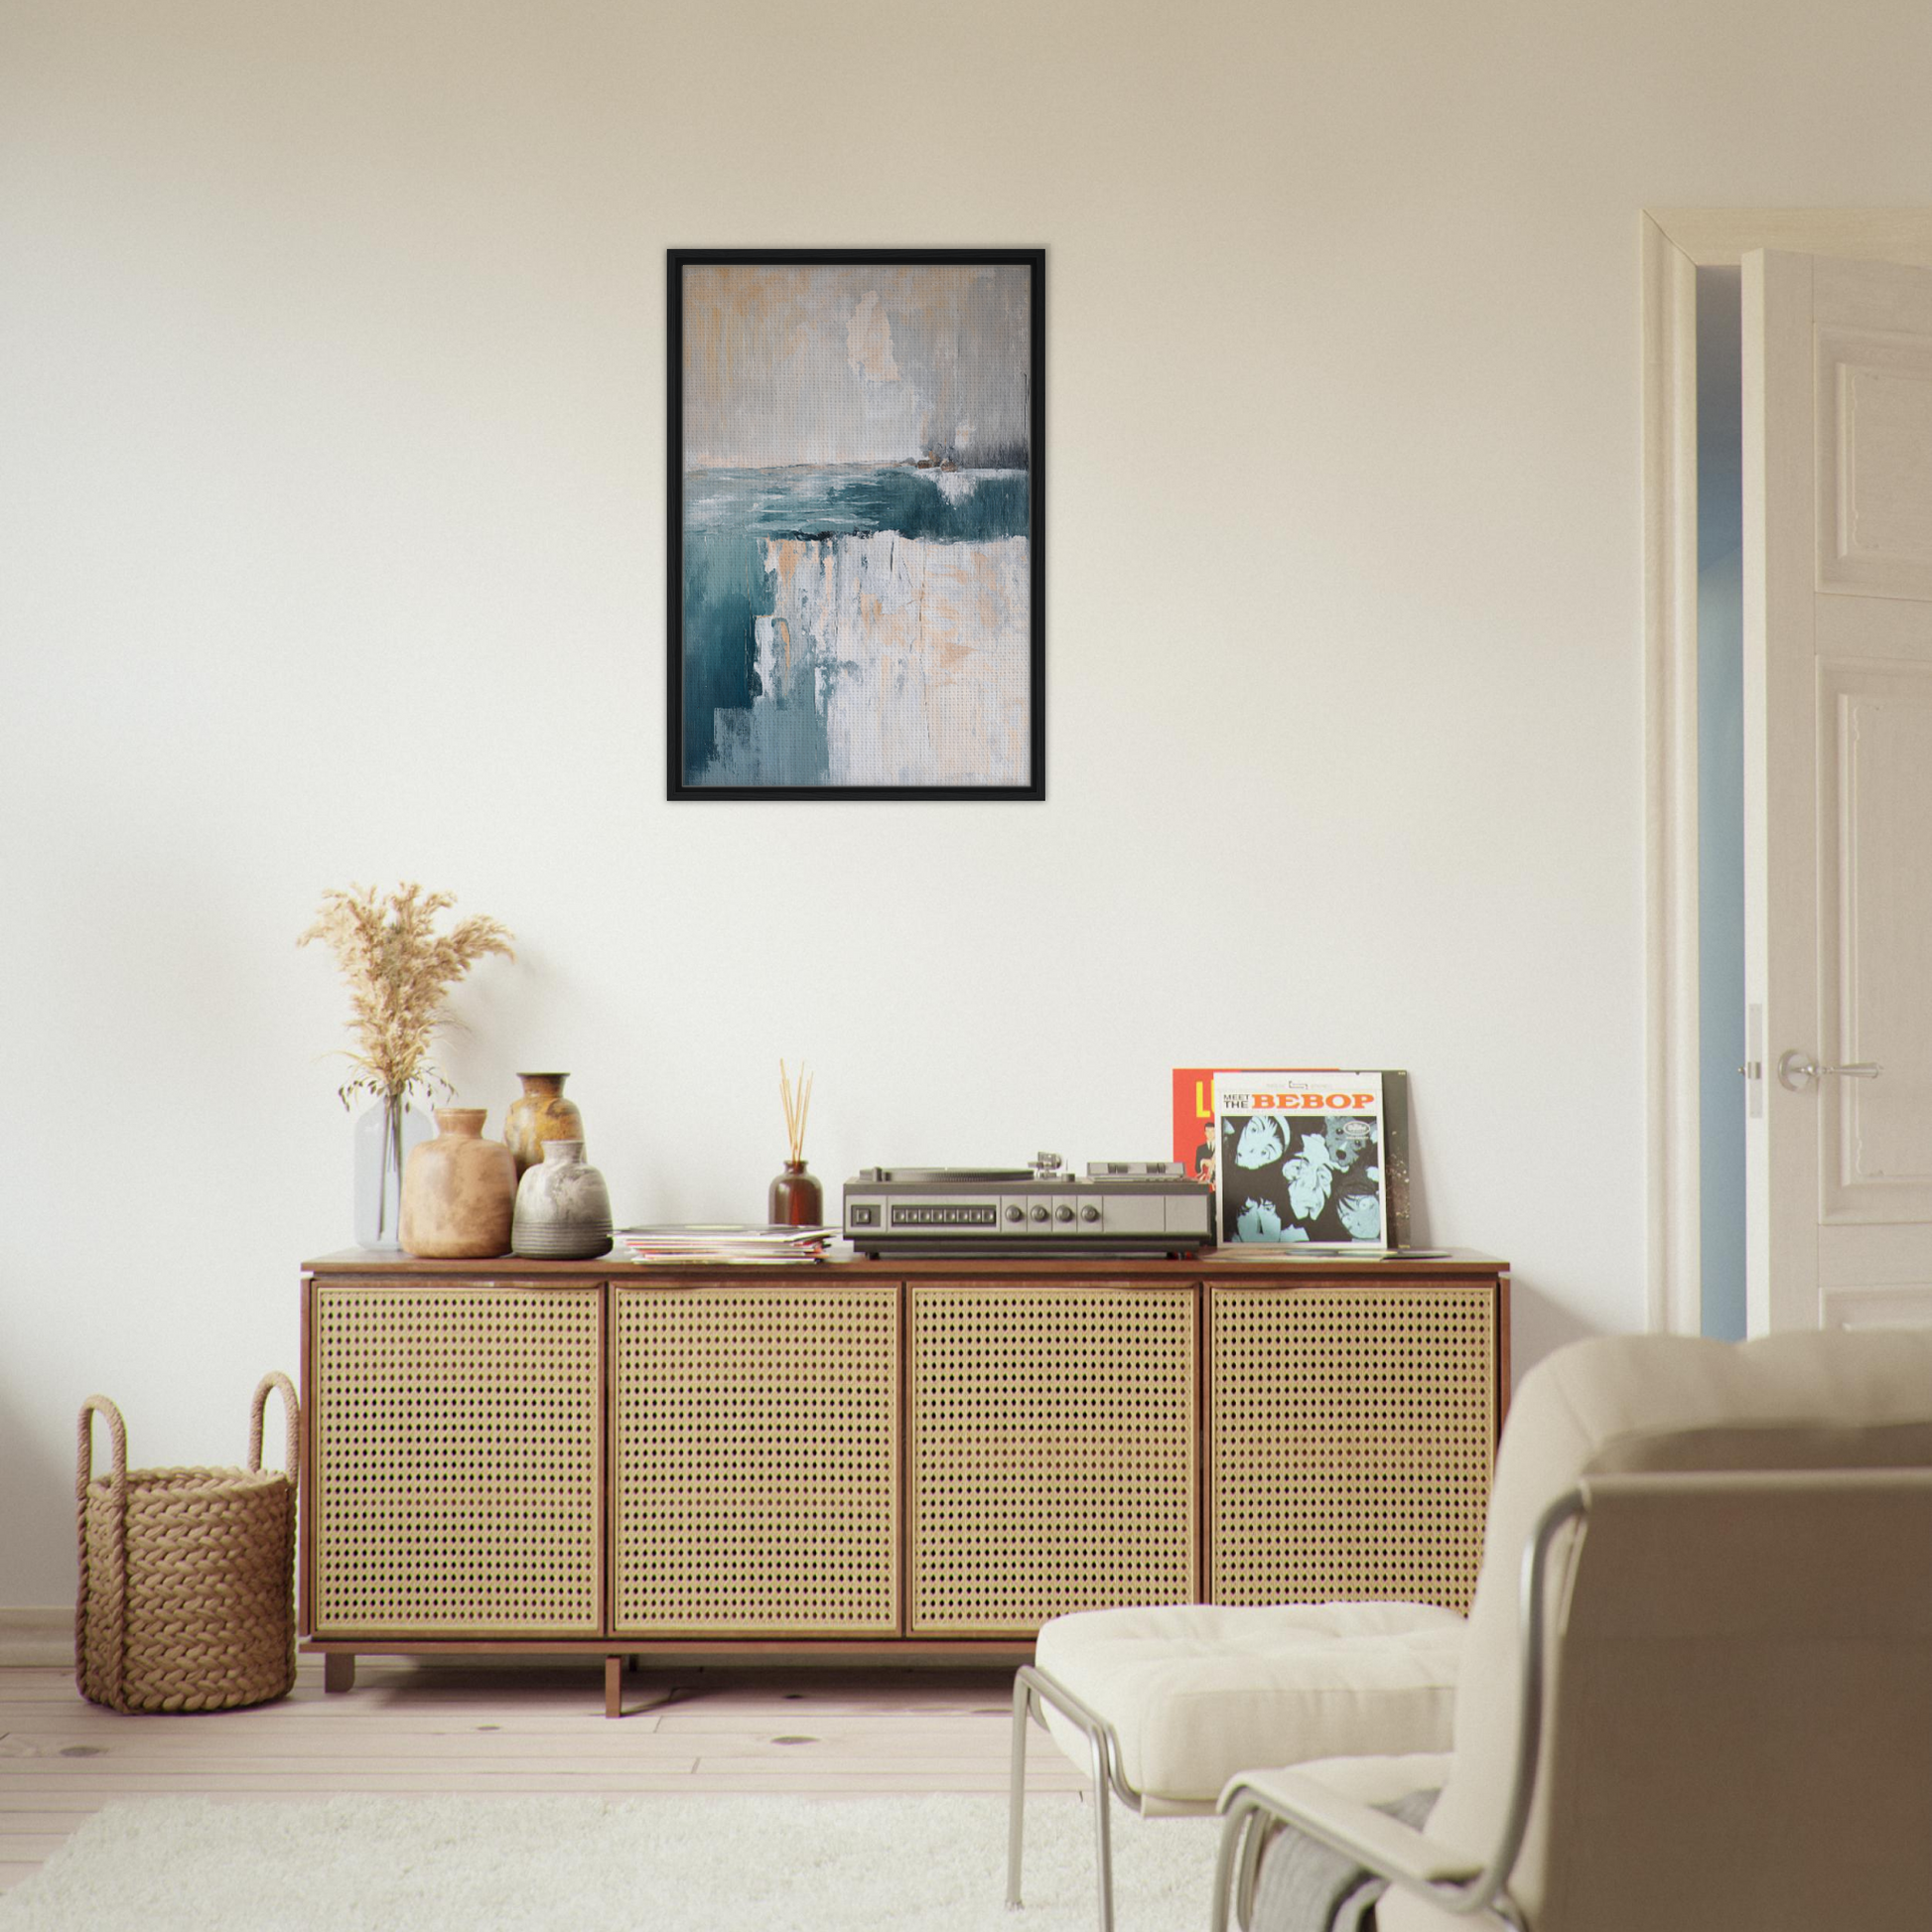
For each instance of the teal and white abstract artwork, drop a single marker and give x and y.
(855, 563)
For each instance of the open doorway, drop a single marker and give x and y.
(1720, 801)
(1698, 1097)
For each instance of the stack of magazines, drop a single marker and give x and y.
(699, 1241)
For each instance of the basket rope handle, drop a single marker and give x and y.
(117, 1434)
(291, 1410)
(113, 1587)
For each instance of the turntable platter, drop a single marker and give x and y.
(934, 1176)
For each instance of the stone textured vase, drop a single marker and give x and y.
(795, 1200)
(459, 1190)
(540, 1114)
(563, 1208)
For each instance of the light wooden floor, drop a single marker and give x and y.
(509, 1729)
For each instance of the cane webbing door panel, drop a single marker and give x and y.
(457, 1460)
(756, 1454)
(1053, 1461)
(1351, 1435)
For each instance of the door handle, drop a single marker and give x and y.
(1797, 1070)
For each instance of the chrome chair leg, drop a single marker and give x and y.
(1248, 1874)
(1103, 1807)
(1229, 1862)
(1033, 1693)
(1022, 1706)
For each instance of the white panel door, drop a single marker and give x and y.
(1838, 776)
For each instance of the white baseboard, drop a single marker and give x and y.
(40, 1635)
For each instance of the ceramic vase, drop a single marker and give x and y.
(385, 1135)
(459, 1190)
(563, 1208)
(795, 1200)
(539, 1114)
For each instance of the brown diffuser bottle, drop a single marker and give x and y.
(795, 1200)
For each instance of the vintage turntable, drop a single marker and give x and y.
(1137, 1208)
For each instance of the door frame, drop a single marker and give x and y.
(1676, 243)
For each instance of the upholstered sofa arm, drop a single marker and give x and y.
(1383, 1843)
(1337, 1803)
(1372, 1780)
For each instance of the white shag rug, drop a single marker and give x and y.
(757, 1864)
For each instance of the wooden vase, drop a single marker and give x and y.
(459, 1190)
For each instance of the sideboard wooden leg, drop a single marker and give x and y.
(339, 1670)
(614, 1686)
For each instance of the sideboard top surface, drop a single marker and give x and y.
(1217, 1265)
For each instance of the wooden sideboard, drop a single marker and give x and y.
(879, 1459)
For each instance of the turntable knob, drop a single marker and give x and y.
(1089, 1214)
(1015, 1212)
(1039, 1215)
(1063, 1213)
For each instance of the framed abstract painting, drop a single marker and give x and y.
(856, 544)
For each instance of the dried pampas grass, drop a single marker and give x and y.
(398, 969)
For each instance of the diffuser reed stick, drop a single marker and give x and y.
(797, 1104)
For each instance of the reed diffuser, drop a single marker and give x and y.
(795, 1201)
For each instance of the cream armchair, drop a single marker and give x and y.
(1696, 1692)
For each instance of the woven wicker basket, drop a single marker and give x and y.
(187, 1598)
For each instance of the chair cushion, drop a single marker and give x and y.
(1198, 1691)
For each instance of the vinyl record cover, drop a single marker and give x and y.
(1196, 1148)
(1300, 1159)
(1194, 1121)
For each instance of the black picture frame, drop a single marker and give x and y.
(679, 734)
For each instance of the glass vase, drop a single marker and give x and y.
(384, 1135)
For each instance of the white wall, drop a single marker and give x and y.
(332, 448)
